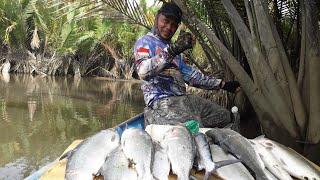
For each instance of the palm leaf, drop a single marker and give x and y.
(131, 9)
(29, 9)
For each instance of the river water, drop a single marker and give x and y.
(41, 116)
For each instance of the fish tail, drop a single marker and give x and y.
(220, 164)
(208, 174)
(183, 177)
(192, 177)
(99, 173)
(260, 137)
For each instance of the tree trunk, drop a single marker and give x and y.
(280, 64)
(116, 69)
(274, 92)
(312, 41)
(265, 78)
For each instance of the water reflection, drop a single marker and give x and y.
(5, 77)
(41, 116)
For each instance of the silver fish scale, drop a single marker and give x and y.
(204, 160)
(233, 142)
(235, 171)
(90, 155)
(116, 167)
(138, 148)
(161, 164)
(271, 162)
(295, 164)
(178, 143)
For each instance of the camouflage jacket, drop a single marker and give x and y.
(163, 76)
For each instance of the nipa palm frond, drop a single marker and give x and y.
(131, 9)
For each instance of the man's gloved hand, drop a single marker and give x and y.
(184, 42)
(231, 86)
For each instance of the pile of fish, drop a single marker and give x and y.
(160, 149)
(264, 158)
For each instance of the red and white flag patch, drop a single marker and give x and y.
(143, 52)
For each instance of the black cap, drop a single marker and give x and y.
(171, 10)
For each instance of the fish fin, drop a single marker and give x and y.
(208, 174)
(67, 154)
(220, 164)
(211, 137)
(252, 142)
(291, 172)
(260, 137)
(192, 177)
(99, 173)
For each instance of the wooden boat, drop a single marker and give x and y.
(56, 169)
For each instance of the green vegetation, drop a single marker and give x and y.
(67, 37)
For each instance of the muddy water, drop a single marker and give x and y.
(41, 116)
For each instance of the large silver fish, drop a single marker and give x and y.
(271, 162)
(292, 162)
(204, 156)
(234, 171)
(88, 157)
(116, 167)
(161, 164)
(138, 148)
(157, 131)
(179, 146)
(238, 145)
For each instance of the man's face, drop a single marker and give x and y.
(166, 26)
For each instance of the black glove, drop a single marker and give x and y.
(183, 43)
(231, 86)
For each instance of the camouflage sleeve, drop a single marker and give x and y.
(195, 78)
(147, 63)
